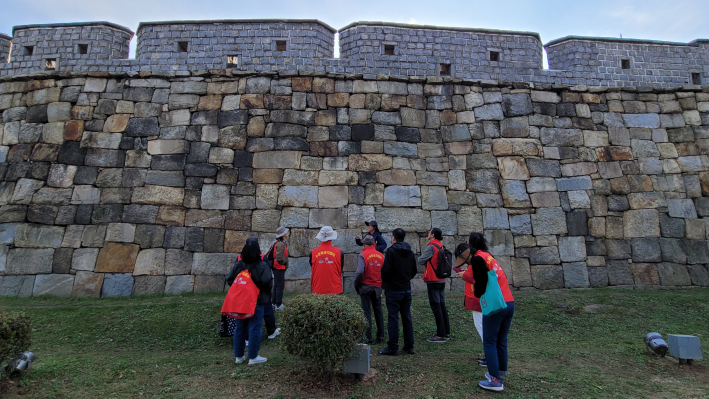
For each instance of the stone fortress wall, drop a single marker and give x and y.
(366, 48)
(137, 182)
(5, 42)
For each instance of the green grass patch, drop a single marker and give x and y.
(168, 347)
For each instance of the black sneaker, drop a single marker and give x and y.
(410, 351)
(482, 362)
(389, 352)
(447, 337)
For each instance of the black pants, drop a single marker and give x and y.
(399, 303)
(371, 297)
(269, 318)
(279, 282)
(437, 300)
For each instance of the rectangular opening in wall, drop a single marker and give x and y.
(183, 47)
(445, 69)
(494, 56)
(27, 50)
(281, 45)
(50, 64)
(232, 61)
(82, 48)
(696, 78)
(389, 49)
(625, 63)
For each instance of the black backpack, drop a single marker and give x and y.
(445, 262)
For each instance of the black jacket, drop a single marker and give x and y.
(380, 243)
(261, 276)
(399, 267)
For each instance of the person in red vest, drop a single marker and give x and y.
(279, 255)
(462, 255)
(258, 271)
(436, 286)
(368, 282)
(326, 262)
(497, 325)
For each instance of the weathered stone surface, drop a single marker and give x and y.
(116, 285)
(29, 261)
(176, 285)
(332, 196)
(546, 277)
(576, 275)
(53, 285)
(148, 285)
(212, 264)
(513, 168)
(641, 223)
(572, 249)
(38, 236)
(117, 258)
(402, 196)
(84, 259)
(681, 208)
(407, 219)
(87, 284)
(150, 262)
(549, 221)
(156, 195)
(277, 160)
(645, 273)
(672, 274)
(516, 146)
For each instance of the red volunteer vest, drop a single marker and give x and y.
(471, 302)
(326, 275)
(240, 301)
(263, 257)
(501, 277)
(429, 274)
(277, 265)
(373, 261)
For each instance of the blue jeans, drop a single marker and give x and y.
(250, 327)
(495, 328)
(399, 302)
(372, 299)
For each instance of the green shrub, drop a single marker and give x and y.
(15, 334)
(323, 329)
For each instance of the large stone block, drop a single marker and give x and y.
(337, 218)
(176, 285)
(681, 208)
(572, 249)
(576, 275)
(84, 259)
(672, 274)
(517, 104)
(148, 285)
(215, 196)
(212, 264)
(298, 269)
(513, 168)
(53, 285)
(87, 284)
(408, 219)
(265, 220)
(641, 223)
(402, 196)
(16, 286)
(150, 262)
(483, 180)
(116, 285)
(469, 220)
(547, 277)
(521, 273)
(117, 258)
(549, 221)
(516, 146)
(514, 194)
(619, 273)
(333, 196)
(277, 160)
(645, 273)
(38, 236)
(29, 261)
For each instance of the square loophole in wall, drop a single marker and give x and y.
(444, 69)
(50, 64)
(232, 61)
(82, 48)
(27, 50)
(281, 45)
(494, 56)
(625, 63)
(696, 78)
(183, 47)
(389, 49)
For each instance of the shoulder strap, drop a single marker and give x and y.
(431, 259)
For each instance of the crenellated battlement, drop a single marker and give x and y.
(366, 48)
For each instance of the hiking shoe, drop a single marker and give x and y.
(389, 352)
(279, 308)
(239, 360)
(257, 360)
(492, 385)
(482, 363)
(275, 334)
(502, 373)
(410, 351)
(436, 339)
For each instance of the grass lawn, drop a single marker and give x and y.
(167, 347)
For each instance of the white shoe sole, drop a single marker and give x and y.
(496, 389)
(239, 360)
(256, 362)
(274, 335)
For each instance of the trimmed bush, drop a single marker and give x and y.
(15, 335)
(323, 329)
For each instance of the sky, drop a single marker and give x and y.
(677, 20)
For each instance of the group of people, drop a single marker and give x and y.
(380, 269)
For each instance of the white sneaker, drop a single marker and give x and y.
(275, 334)
(247, 343)
(257, 360)
(239, 360)
(279, 308)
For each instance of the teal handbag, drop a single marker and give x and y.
(492, 300)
